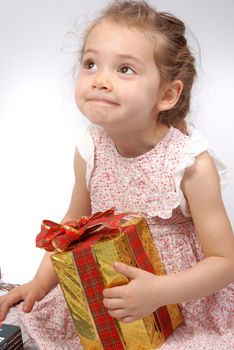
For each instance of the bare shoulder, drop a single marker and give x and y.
(79, 166)
(80, 199)
(203, 165)
(201, 182)
(201, 187)
(202, 177)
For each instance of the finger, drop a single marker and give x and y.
(12, 299)
(28, 304)
(114, 292)
(119, 314)
(112, 303)
(6, 304)
(4, 308)
(129, 271)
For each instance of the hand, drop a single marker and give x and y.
(29, 292)
(140, 297)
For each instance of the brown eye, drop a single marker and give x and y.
(90, 65)
(126, 70)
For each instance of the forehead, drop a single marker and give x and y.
(107, 37)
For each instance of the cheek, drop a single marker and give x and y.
(78, 93)
(135, 99)
(130, 95)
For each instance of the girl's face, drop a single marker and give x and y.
(118, 82)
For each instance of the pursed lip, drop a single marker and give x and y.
(101, 100)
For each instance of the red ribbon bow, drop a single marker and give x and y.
(60, 237)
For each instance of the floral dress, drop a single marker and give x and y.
(150, 185)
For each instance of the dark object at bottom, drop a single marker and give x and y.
(10, 337)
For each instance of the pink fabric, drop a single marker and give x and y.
(149, 185)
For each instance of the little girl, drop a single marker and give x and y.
(138, 154)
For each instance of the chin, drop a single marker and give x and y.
(97, 119)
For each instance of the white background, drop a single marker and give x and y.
(39, 121)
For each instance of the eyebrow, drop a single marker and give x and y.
(123, 56)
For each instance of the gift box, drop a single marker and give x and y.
(86, 250)
(10, 337)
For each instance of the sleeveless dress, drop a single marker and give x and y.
(149, 185)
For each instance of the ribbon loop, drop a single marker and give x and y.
(60, 237)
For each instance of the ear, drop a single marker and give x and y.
(169, 95)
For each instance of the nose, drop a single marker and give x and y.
(102, 82)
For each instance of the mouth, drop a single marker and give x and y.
(102, 101)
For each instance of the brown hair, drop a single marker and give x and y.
(172, 55)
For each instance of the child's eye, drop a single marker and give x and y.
(89, 64)
(126, 70)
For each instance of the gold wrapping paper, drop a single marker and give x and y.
(139, 335)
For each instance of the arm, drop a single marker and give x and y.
(202, 189)
(79, 206)
(45, 278)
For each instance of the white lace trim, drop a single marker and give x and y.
(196, 145)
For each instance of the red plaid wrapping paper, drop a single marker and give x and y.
(80, 271)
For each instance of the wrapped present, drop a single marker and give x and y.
(86, 250)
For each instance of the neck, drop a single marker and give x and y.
(134, 144)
